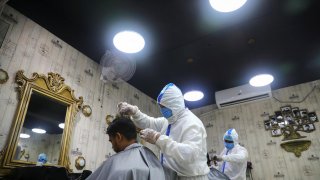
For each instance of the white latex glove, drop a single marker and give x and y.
(127, 109)
(149, 135)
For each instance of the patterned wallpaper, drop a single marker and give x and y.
(30, 47)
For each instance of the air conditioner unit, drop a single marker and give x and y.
(242, 94)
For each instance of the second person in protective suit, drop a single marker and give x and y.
(233, 158)
(179, 134)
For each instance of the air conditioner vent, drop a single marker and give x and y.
(263, 96)
(241, 94)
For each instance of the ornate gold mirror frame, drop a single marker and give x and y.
(53, 87)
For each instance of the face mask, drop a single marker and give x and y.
(229, 145)
(166, 112)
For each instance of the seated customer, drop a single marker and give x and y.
(132, 161)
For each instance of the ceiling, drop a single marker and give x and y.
(190, 44)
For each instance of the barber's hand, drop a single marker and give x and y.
(217, 158)
(149, 135)
(127, 109)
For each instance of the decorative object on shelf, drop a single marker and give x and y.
(3, 76)
(288, 122)
(80, 162)
(86, 110)
(296, 147)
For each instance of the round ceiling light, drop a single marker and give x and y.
(193, 95)
(61, 125)
(227, 5)
(22, 135)
(128, 41)
(261, 80)
(38, 130)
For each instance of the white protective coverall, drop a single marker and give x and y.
(185, 149)
(235, 159)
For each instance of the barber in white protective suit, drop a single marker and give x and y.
(233, 158)
(179, 134)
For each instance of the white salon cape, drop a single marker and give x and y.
(235, 160)
(136, 162)
(184, 150)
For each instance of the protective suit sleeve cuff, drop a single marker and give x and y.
(138, 115)
(161, 141)
(224, 158)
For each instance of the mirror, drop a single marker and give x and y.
(44, 121)
(45, 114)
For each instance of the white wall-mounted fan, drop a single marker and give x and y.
(116, 67)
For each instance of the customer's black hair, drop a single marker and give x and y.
(124, 126)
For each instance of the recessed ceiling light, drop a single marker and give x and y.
(261, 80)
(61, 125)
(193, 95)
(22, 135)
(128, 41)
(38, 130)
(227, 5)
